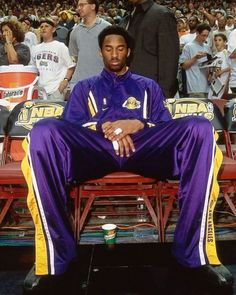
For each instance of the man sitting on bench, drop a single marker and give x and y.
(117, 121)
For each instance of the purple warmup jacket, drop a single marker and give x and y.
(59, 151)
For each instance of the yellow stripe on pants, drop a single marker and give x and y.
(41, 263)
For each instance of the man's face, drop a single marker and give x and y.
(84, 8)
(201, 37)
(114, 53)
(192, 23)
(46, 31)
(222, 22)
(25, 27)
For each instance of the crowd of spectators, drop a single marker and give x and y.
(219, 14)
(113, 9)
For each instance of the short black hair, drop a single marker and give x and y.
(203, 26)
(115, 30)
(224, 38)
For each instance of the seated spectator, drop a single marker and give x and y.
(12, 51)
(53, 62)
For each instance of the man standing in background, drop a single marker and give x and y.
(83, 44)
(156, 53)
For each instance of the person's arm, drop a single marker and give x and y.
(66, 60)
(56, 9)
(189, 62)
(65, 81)
(233, 54)
(222, 71)
(211, 19)
(167, 54)
(9, 48)
(76, 110)
(11, 53)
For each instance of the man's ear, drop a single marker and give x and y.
(93, 7)
(100, 52)
(128, 53)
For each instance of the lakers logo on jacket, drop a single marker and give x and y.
(131, 103)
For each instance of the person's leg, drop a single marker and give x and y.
(57, 153)
(185, 149)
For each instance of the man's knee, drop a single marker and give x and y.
(44, 130)
(198, 126)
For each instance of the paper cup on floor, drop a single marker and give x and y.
(109, 232)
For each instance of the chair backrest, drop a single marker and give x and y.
(20, 122)
(206, 108)
(4, 114)
(230, 115)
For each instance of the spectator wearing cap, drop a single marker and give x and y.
(53, 62)
(220, 13)
(30, 38)
(66, 20)
(229, 23)
(12, 51)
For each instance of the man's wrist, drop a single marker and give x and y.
(66, 79)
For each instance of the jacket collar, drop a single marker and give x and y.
(112, 76)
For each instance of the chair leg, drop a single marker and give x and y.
(159, 210)
(82, 217)
(228, 200)
(76, 215)
(5, 209)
